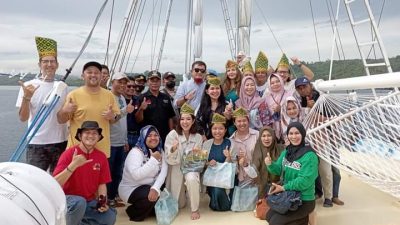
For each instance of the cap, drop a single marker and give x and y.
(212, 72)
(168, 74)
(301, 81)
(153, 73)
(140, 77)
(89, 125)
(119, 76)
(92, 63)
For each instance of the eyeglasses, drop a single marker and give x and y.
(52, 61)
(199, 70)
(283, 71)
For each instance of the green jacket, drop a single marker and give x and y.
(299, 175)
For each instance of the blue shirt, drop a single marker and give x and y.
(187, 87)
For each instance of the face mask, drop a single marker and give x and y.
(198, 80)
(139, 88)
(170, 84)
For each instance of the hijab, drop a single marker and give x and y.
(141, 142)
(246, 101)
(294, 152)
(285, 119)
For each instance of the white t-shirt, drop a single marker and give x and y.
(51, 131)
(262, 89)
(289, 86)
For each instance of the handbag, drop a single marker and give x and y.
(192, 162)
(284, 201)
(244, 198)
(166, 208)
(262, 208)
(222, 175)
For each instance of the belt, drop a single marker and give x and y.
(133, 132)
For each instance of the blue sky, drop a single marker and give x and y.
(69, 22)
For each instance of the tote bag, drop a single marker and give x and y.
(222, 175)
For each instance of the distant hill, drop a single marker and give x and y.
(341, 69)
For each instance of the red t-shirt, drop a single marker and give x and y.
(86, 179)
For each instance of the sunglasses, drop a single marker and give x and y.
(199, 70)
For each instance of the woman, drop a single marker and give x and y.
(275, 99)
(291, 112)
(298, 164)
(250, 100)
(179, 143)
(213, 101)
(266, 145)
(220, 150)
(144, 173)
(232, 79)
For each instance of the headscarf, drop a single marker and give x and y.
(141, 142)
(296, 151)
(285, 119)
(245, 101)
(276, 95)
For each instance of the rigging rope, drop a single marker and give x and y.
(379, 21)
(315, 31)
(109, 34)
(86, 42)
(333, 26)
(155, 41)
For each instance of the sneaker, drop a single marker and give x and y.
(327, 203)
(337, 201)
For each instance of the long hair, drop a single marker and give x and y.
(205, 104)
(193, 128)
(226, 85)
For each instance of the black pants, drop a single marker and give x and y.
(298, 217)
(45, 156)
(140, 207)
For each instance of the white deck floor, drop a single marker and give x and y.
(364, 205)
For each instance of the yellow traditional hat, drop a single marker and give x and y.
(284, 62)
(46, 47)
(215, 81)
(231, 63)
(186, 108)
(248, 68)
(218, 118)
(261, 64)
(239, 112)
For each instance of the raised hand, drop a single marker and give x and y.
(310, 102)
(130, 107)
(174, 146)
(70, 107)
(190, 95)
(229, 107)
(242, 153)
(268, 160)
(108, 113)
(276, 108)
(156, 155)
(212, 162)
(143, 105)
(29, 90)
(226, 152)
(295, 60)
(78, 160)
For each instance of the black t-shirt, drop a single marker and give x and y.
(158, 112)
(132, 125)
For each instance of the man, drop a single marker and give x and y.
(192, 90)
(283, 70)
(83, 173)
(132, 97)
(90, 102)
(169, 84)
(105, 75)
(260, 72)
(140, 81)
(118, 137)
(329, 175)
(155, 107)
(51, 139)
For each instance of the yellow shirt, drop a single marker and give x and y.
(90, 107)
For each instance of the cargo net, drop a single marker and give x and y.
(360, 134)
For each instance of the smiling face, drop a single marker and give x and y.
(89, 137)
(231, 73)
(186, 122)
(130, 88)
(218, 131)
(48, 65)
(249, 87)
(119, 86)
(261, 78)
(242, 123)
(283, 73)
(292, 110)
(92, 76)
(275, 84)
(214, 92)
(105, 75)
(154, 84)
(294, 136)
(266, 138)
(152, 140)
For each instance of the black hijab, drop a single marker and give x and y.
(296, 151)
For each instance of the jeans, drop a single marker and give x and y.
(116, 162)
(336, 181)
(81, 212)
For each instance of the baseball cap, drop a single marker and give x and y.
(168, 74)
(119, 76)
(92, 63)
(212, 72)
(154, 73)
(140, 77)
(301, 81)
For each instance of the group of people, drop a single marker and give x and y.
(126, 143)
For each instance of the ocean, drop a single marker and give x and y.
(11, 128)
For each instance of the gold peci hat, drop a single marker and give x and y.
(284, 62)
(239, 112)
(46, 47)
(218, 118)
(261, 64)
(186, 108)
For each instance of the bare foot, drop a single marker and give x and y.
(195, 215)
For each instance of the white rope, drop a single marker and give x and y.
(360, 135)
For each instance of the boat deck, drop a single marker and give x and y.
(364, 205)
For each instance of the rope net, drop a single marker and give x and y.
(360, 134)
